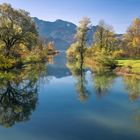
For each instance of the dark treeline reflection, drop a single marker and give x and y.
(19, 93)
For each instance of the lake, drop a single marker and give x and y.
(54, 102)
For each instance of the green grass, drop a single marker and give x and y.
(134, 64)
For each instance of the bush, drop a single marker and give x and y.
(72, 51)
(118, 54)
(105, 59)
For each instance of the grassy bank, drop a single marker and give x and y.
(123, 67)
(132, 65)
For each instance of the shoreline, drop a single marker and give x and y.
(22, 64)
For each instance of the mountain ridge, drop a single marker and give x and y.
(62, 32)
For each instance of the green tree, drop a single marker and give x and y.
(104, 36)
(16, 28)
(104, 45)
(81, 36)
(79, 46)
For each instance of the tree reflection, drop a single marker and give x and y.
(132, 84)
(78, 71)
(103, 82)
(19, 94)
(103, 78)
(50, 59)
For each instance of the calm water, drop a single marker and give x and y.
(54, 102)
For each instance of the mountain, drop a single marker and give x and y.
(61, 32)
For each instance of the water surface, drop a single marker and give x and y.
(54, 102)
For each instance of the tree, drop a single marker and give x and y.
(132, 38)
(16, 28)
(81, 38)
(104, 44)
(104, 36)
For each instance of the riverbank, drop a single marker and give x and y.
(128, 67)
(123, 67)
(29, 59)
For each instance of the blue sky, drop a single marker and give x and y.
(118, 13)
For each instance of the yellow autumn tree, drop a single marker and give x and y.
(132, 39)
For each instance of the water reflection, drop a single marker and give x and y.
(103, 82)
(57, 66)
(79, 73)
(19, 98)
(132, 85)
(19, 94)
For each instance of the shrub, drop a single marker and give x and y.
(105, 59)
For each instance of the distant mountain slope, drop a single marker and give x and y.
(61, 32)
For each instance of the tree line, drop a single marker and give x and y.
(107, 46)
